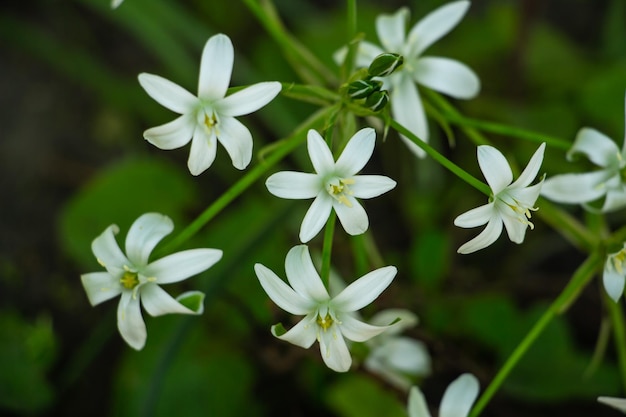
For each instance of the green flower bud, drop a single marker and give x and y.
(384, 64)
(363, 88)
(377, 100)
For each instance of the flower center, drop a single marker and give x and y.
(338, 188)
(210, 122)
(618, 261)
(521, 210)
(129, 280)
(325, 322)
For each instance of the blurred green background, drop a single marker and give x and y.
(73, 161)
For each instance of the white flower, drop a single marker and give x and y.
(209, 117)
(617, 403)
(457, 400)
(607, 182)
(116, 3)
(510, 203)
(135, 278)
(614, 274)
(327, 320)
(334, 185)
(440, 74)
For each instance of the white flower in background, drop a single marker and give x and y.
(614, 274)
(327, 320)
(115, 3)
(607, 182)
(334, 185)
(209, 117)
(444, 75)
(135, 278)
(510, 203)
(617, 403)
(456, 402)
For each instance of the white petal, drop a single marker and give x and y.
(485, 238)
(115, 3)
(182, 265)
(436, 25)
(599, 148)
(357, 330)
(249, 99)
(531, 170)
(100, 286)
(417, 404)
(168, 94)
(129, 321)
(495, 168)
(404, 319)
(613, 281)
(476, 216)
(459, 397)
(282, 294)
(617, 403)
(447, 76)
(302, 275)
(216, 67)
(302, 334)
(144, 234)
(615, 200)
(157, 302)
(334, 350)
(406, 108)
(172, 135)
(369, 186)
(366, 52)
(316, 216)
(576, 188)
(321, 157)
(294, 185)
(237, 140)
(515, 229)
(203, 151)
(391, 30)
(108, 252)
(354, 218)
(357, 152)
(404, 354)
(364, 290)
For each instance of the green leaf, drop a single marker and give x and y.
(358, 396)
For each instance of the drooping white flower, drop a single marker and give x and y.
(456, 402)
(116, 3)
(334, 185)
(209, 117)
(444, 75)
(617, 403)
(136, 279)
(327, 320)
(608, 182)
(614, 275)
(510, 203)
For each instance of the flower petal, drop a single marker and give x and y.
(157, 302)
(459, 397)
(370, 186)
(476, 216)
(391, 30)
(316, 216)
(357, 153)
(615, 200)
(237, 140)
(515, 229)
(485, 238)
(100, 286)
(405, 354)
(303, 276)
(216, 67)
(203, 150)
(417, 404)
(168, 94)
(302, 334)
(406, 108)
(495, 168)
(182, 265)
(248, 100)
(530, 172)
(172, 135)
(294, 185)
(401, 318)
(144, 234)
(357, 330)
(282, 294)
(334, 350)
(617, 403)
(596, 146)
(353, 218)
(435, 26)
(576, 188)
(365, 54)
(129, 321)
(364, 290)
(447, 76)
(108, 252)
(321, 157)
(613, 280)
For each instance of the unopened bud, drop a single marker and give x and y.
(377, 100)
(384, 64)
(363, 88)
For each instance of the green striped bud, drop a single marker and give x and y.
(377, 100)
(385, 64)
(363, 88)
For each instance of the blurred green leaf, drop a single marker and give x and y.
(359, 396)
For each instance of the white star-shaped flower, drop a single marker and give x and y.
(510, 203)
(617, 403)
(327, 320)
(456, 402)
(334, 185)
(614, 275)
(445, 75)
(209, 117)
(608, 182)
(135, 278)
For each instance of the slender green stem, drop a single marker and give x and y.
(348, 64)
(328, 248)
(619, 333)
(310, 94)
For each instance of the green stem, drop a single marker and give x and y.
(568, 226)
(328, 248)
(579, 280)
(348, 64)
(619, 333)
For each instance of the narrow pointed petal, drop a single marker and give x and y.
(316, 216)
(447, 76)
(613, 280)
(202, 152)
(485, 238)
(576, 188)
(302, 334)
(108, 252)
(357, 152)
(294, 185)
(401, 318)
(596, 146)
(303, 276)
(182, 265)
(364, 290)
(321, 157)
(334, 350)
(617, 403)
(436, 25)
(459, 397)
(530, 172)
(406, 108)
(157, 302)
(168, 94)
(282, 294)
(216, 67)
(417, 404)
(358, 331)
(495, 168)
(249, 99)
(476, 216)
(353, 219)
(172, 135)
(515, 229)
(129, 321)
(100, 286)
(615, 200)
(144, 234)
(370, 186)
(405, 355)
(391, 30)
(237, 140)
